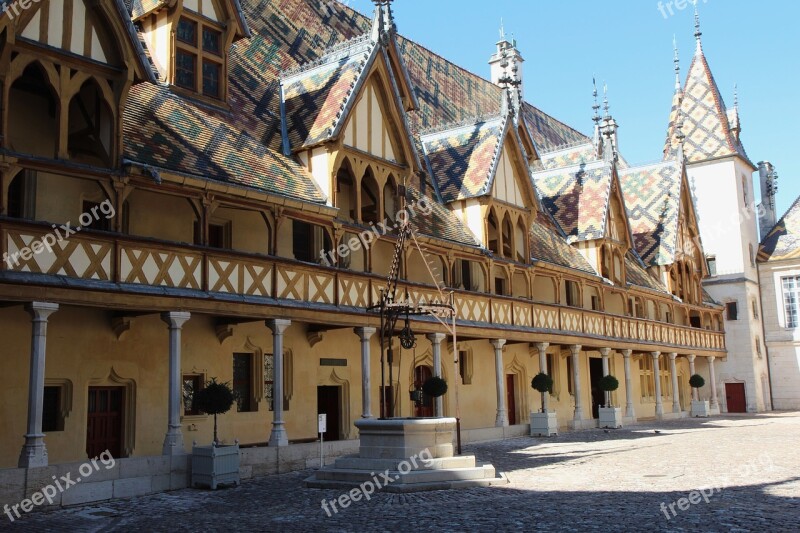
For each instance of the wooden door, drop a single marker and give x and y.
(329, 403)
(511, 399)
(421, 374)
(735, 396)
(104, 423)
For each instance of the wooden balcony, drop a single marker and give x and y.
(134, 261)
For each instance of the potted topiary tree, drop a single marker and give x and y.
(543, 423)
(434, 387)
(700, 408)
(215, 465)
(609, 416)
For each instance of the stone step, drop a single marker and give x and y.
(381, 465)
(312, 482)
(419, 476)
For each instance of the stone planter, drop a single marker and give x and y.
(215, 465)
(700, 408)
(544, 424)
(610, 417)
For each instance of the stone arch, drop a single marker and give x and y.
(370, 197)
(91, 123)
(113, 379)
(521, 388)
(426, 359)
(33, 102)
(346, 429)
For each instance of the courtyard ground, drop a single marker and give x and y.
(728, 473)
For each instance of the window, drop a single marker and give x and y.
(712, 265)
(791, 297)
(499, 286)
(570, 377)
(99, 220)
(744, 190)
(243, 381)
(752, 256)
(199, 58)
(571, 291)
(758, 347)
(465, 366)
(308, 241)
(732, 310)
(595, 303)
(51, 410)
(755, 308)
(22, 196)
(646, 381)
(466, 275)
(192, 383)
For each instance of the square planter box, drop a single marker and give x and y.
(700, 408)
(215, 465)
(610, 417)
(544, 424)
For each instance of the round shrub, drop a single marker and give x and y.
(696, 381)
(434, 386)
(542, 382)
(608, 383)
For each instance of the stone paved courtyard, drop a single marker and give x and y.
(603, 480)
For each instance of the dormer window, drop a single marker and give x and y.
(199, 62)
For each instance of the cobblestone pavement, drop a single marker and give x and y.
(602, 480)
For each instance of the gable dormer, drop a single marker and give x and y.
(190, 42)
(66, 68)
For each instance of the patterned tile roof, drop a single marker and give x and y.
(705, 118)
(315, 98)
(463, 159)
(140, 8)
(549, 245)
(577, 197)
(653, 198)
(442, 223)
(549, 133)
(583, 152)
(168, 132)
(783, 241)
(637, 275)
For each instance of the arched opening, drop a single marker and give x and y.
(22, 196)
(493, 233)
(544, 289)
(500, 280)
(356, 257)
(390, 198)
(521, 242)
(605, 262)
(619, 268)
(519, 285)
(665, 313)
(91, 126)
(468, 275)
(345, 198)
(370, 199)
(695, 319)
(508, 238)
(33, 113)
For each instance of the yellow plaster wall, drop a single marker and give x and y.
(160, 216)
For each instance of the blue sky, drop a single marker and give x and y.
(628, 45)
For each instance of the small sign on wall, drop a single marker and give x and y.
(323, 423)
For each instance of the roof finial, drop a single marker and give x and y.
(736, 97)
(697, 32)
(502, 30)
(596, 107)
(606, 107)
(677, 62)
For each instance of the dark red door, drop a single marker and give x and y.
(511, 402)
(734, 394)
(329, 402)
(421, 374)
(104, 423)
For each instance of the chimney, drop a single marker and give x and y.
(507, 62)
(769, 188)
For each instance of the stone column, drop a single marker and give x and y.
(542, 347)
(576, 380)
(629, 411)
(34, 451)
(676, 402)
(657, 378)
(436, 343)
(173, 440)
(278, 436)
(502, 415)
(604, 353)
(365, 334)
(713, 378)
(691, 359)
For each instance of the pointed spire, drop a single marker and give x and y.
(502, 30)
(596, 107)
(697, 33)
(383, 20)
(736, 97)
(677, 62)
(606, 107)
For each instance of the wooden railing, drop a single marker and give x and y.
(137, 261)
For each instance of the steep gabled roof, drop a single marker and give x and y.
(463, 159)
(548, 244)
(441, 223)
(783, 241)
(549, 133)
(653, 199)
(637, 275)
(578, 197)
(705, 117)
(583, 152)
